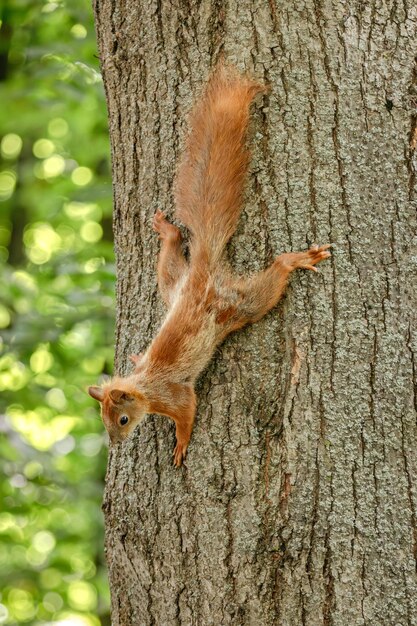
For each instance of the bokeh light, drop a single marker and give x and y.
(43, 148)
(81, 176)
(58, 127)
(79, 31)
(7, 184)
(11, 145)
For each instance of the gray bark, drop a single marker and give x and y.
(298, 502)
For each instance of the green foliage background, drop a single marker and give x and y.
(56, 313)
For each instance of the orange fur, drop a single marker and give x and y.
(205, 300)
(212, 171)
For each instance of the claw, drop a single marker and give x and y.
(316, 254)
(165, 229)
(179, 454)
(157, 219)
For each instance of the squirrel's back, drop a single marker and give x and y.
(212, 171)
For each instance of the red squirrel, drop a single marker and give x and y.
(205, 300)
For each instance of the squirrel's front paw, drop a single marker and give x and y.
(164, 228)
(179, 453)
(158, 221)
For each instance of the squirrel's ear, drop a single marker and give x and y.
(97, 393)
(118, 395)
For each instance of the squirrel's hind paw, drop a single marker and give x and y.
(312, 256)
(179, 453)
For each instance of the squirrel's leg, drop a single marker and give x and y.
(183, 417)
(171, 264)
(184, 420)
(262, 292)
(183, 430)
(178, 402)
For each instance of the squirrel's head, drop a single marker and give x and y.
(122, 408)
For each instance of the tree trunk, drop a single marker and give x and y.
(298, 502)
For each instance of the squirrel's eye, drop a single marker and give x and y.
(123, 420)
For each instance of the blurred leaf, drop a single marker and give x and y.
(56, 313)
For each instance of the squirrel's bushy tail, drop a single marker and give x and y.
(212, 171)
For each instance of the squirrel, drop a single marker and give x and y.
(205, 300)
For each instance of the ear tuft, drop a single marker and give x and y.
(118, 396)
(97, 393)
